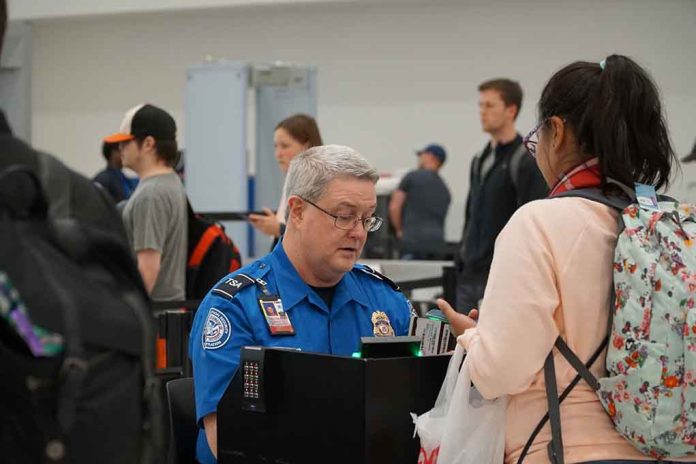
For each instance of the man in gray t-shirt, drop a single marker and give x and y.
(418, 207)
(155, 217)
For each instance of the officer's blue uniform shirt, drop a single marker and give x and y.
(230, 317)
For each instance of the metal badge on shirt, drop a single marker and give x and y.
(276, 318)
(381, 326)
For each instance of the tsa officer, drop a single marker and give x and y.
(308, 293)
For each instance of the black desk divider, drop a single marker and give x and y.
(319, 408)
(173, 330)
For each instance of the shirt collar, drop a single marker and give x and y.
(292, 289)
(506, 148)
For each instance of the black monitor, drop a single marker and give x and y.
(390, 347)
(291, 407)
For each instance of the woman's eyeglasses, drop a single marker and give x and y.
(530, 140)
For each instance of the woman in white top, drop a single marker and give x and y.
(292, 136)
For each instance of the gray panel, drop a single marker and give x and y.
(15, 79)
(216, 160)
(273, 104)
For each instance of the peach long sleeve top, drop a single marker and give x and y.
(551, 275)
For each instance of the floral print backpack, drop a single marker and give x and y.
(650, 390)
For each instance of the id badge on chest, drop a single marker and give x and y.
(276, 318)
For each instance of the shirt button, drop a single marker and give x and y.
(262, 265)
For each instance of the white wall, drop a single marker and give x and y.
(392, 76)
(50, 9)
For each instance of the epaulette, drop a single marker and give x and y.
(378, 275)
(228, 288)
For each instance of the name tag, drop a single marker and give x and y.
(276, 318)
(647, 197)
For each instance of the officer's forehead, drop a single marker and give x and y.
(350, 192)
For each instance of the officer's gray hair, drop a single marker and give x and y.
(312, 170)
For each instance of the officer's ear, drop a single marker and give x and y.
(296, 208)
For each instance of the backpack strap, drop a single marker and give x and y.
(203, 245)
(229, 287)
(596, 194)
(514, 166)
(562, 397)
(55, 182)
(555, 448)
(578, 365)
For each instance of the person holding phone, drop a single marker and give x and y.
(292, 136)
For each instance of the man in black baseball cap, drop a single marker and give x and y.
(144, 120)
(434, 150)
(155, 216)
(418, 207)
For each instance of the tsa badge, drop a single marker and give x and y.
(381, 327)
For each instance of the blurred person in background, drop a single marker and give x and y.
(502, 178)
(292, 136)
(418, 207)
(112, 178)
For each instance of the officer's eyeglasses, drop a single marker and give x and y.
(371, 223)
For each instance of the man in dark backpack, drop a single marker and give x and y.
(76, 340)
(503, 177)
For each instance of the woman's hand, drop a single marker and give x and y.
(458, 322)
(266, 223)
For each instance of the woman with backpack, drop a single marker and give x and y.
(292, 136)
(600, 127)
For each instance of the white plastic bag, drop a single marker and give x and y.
(463, 427)
(430, 425)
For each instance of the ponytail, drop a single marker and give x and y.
(615, 111)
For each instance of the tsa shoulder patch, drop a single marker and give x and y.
(229, 287)
(217, 330)
(378, 275)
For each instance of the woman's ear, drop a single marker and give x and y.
(558, 132)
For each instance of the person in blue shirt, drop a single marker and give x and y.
(308, 293)
(116, 183)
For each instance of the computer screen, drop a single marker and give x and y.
(389, 347)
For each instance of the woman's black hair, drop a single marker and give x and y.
(616, 115)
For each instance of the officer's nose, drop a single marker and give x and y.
(358, 231)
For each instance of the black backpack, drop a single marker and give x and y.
(211, 254)
(97, 399)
